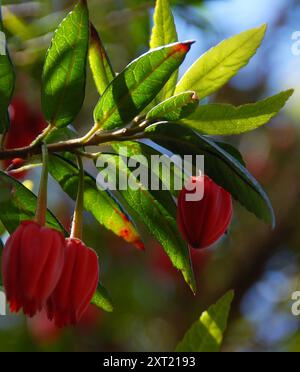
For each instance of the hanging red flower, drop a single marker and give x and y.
(32, 263)
(203, 222)
(77, 285)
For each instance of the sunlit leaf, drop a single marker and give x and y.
(164, 33)
(175, 108)
(206, 335)
(100, 64)
(101, 204)
(64, 74)
(136, 86)
(216, 67)
(218, 119)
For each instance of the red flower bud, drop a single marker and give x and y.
(32, 263)
(203, 222)
(77, 285)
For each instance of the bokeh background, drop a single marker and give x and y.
(152, 306)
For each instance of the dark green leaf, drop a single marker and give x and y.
(206, 335)
(216, 67)
(64, 75)
(157, 210)
(164, 33)
(102, 299)
(219, 165)
(218, 119)
(175, 108)
(232, 151)
(136, 86)
(17, 204)
(100, 64)
(7, 80)
(101, 204)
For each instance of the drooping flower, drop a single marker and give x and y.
(32, 263)
(202, 222)
(77, 285)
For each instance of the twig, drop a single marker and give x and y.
(98, 138)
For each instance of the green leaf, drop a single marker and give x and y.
(164, 33)
(102, 299)
(136, 86)
(101, 204)
(2, 228)
(221, 166)
(232, 151)
(218, 119)
(7, 81)
(60, 134)
(101, 68)
(216, 67)
(156, 209)
(175, 108)
(17, 204)
(206, 335)
(64, 74)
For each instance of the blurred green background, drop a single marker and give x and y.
(153, 306)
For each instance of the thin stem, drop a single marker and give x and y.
(25, 168)
(77, 224)
(89, 155)
(41, 211)
(89, 135)
(40, 138)
(98, 138)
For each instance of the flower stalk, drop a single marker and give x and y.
(41, 211)
(77, 223)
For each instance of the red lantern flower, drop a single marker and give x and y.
(77, 285)
(32, 263)
(203, 222)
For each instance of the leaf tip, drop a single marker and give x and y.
(230, 294)
(263, 28)
(183, 47)
(192, 284)
(93, 33)
(290, 92)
